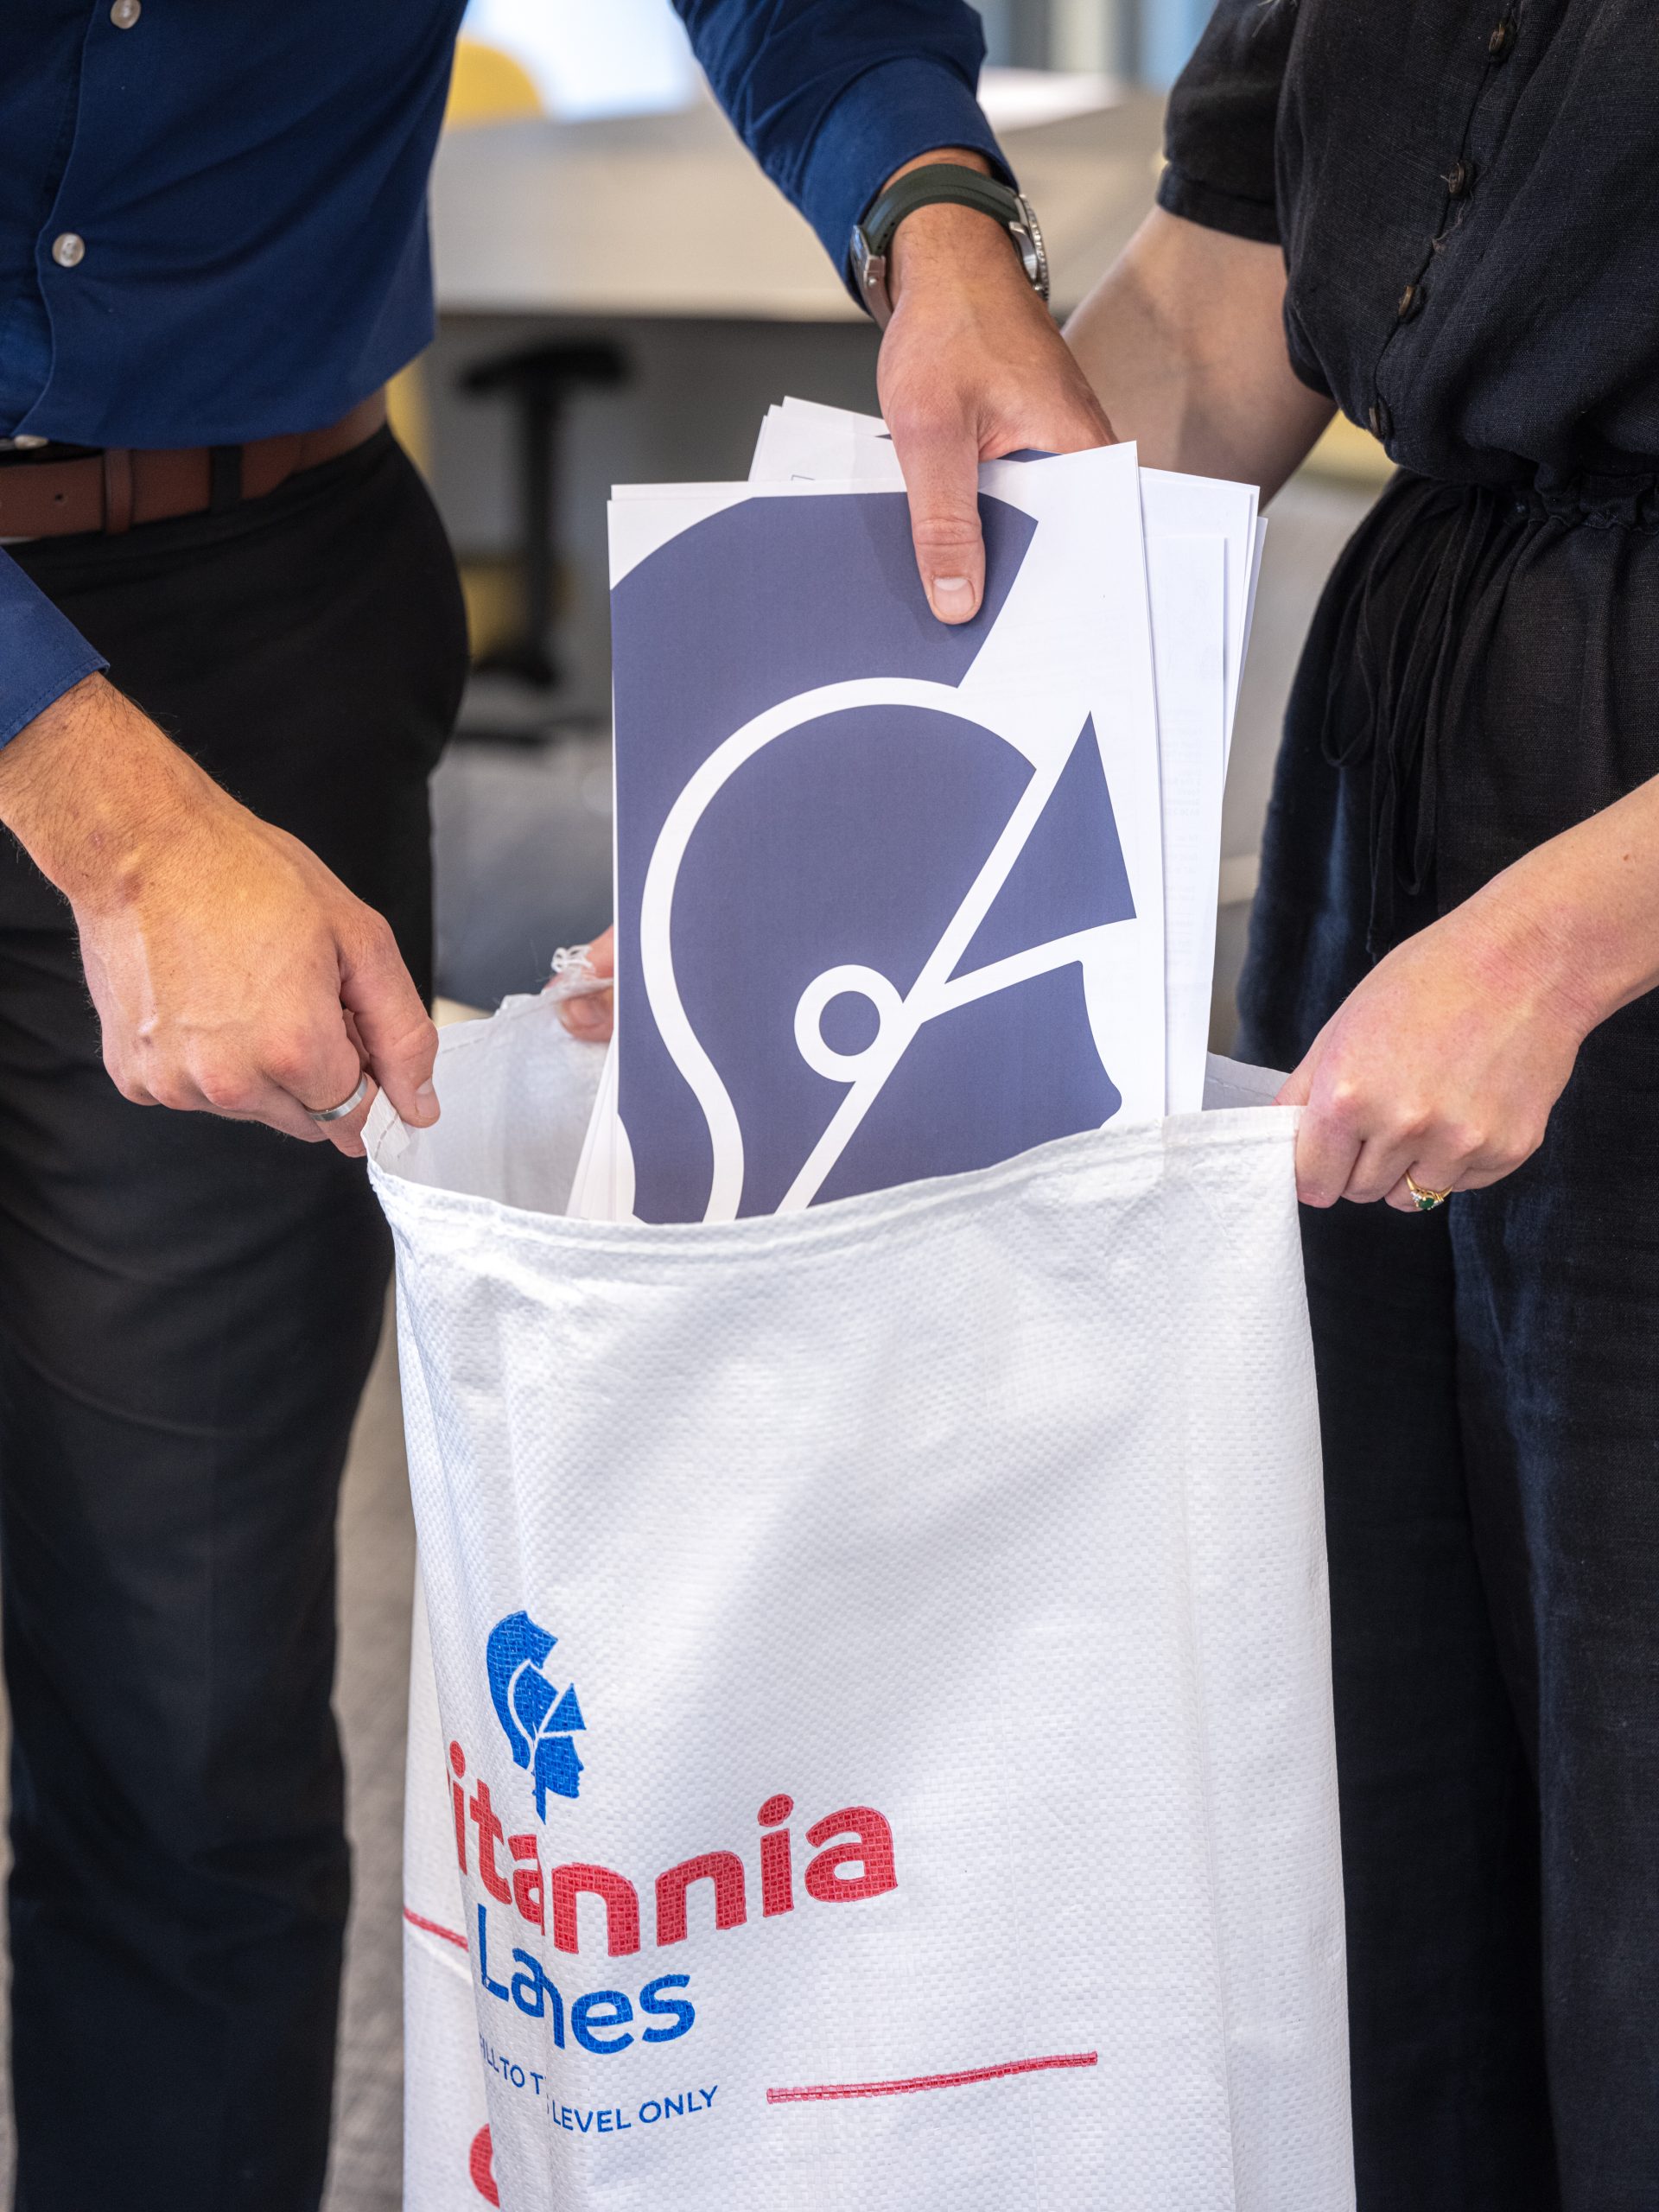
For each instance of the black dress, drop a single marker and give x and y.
(1468, 199)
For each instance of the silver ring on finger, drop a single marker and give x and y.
(346, 1106)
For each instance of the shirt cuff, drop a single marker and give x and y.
(885, 119)
(42, 654)
(1182, 194)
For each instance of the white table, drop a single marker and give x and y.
(669, 216)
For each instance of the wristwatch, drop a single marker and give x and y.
(932, 182)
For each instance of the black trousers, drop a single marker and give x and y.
(188, 1307)
(1482, 673)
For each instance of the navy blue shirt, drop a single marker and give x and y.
(248, 188)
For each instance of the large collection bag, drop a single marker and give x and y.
(885, 1755)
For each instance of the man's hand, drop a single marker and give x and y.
(233, 972)
(971, 366)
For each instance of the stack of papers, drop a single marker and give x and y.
(893, 899)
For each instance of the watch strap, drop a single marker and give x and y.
(936, 182)
(926, 187)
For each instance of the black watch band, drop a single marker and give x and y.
(924, 188)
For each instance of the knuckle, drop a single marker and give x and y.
(939, 532)
(416, 1042)
(1343, 1108)
(226, 1085)
(1461, 1140)
(370, 935)
(1512, 1152)
(125, 1079)
(917, 410)
(290, 1062)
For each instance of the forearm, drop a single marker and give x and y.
(1183, 341)
(1573, 926)
(90, 786)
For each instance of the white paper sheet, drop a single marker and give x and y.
(1187, 578)
(1070, 646)
(1203, 539)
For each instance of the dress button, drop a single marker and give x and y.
(67, 248)
(126, 13)
(1410, 300)
(1380, 420)
(1460, 178)
(1499, 43)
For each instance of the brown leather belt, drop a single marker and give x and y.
(110, 491)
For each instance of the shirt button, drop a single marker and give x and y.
(126, 13)
(1410, 300)
(67, 248)
(1498, 44)
(1459, 179)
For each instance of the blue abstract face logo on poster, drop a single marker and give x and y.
(864, 919)
(539, 1721)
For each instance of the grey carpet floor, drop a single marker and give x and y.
(376, 1541)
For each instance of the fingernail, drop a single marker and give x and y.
(426, 1098)
(952, 587)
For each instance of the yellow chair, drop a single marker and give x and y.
(1350, 455)
(487, 85)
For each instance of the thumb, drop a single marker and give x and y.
(1296, 1086)
(398, 1037)
(941, 472)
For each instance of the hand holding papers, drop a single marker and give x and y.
(891, 896)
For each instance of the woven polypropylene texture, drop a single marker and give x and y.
(967, 1537)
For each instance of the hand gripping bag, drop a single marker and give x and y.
(882, 1755)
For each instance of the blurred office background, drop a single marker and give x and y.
(621, 296)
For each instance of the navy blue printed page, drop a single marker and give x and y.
(888, 894)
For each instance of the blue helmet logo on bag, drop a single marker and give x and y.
(538, 1722)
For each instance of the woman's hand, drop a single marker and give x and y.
(590, 1014)
(1447, 1060)
(1445, 1063)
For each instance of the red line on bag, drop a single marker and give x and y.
(930, 2080)
(415, 1920)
